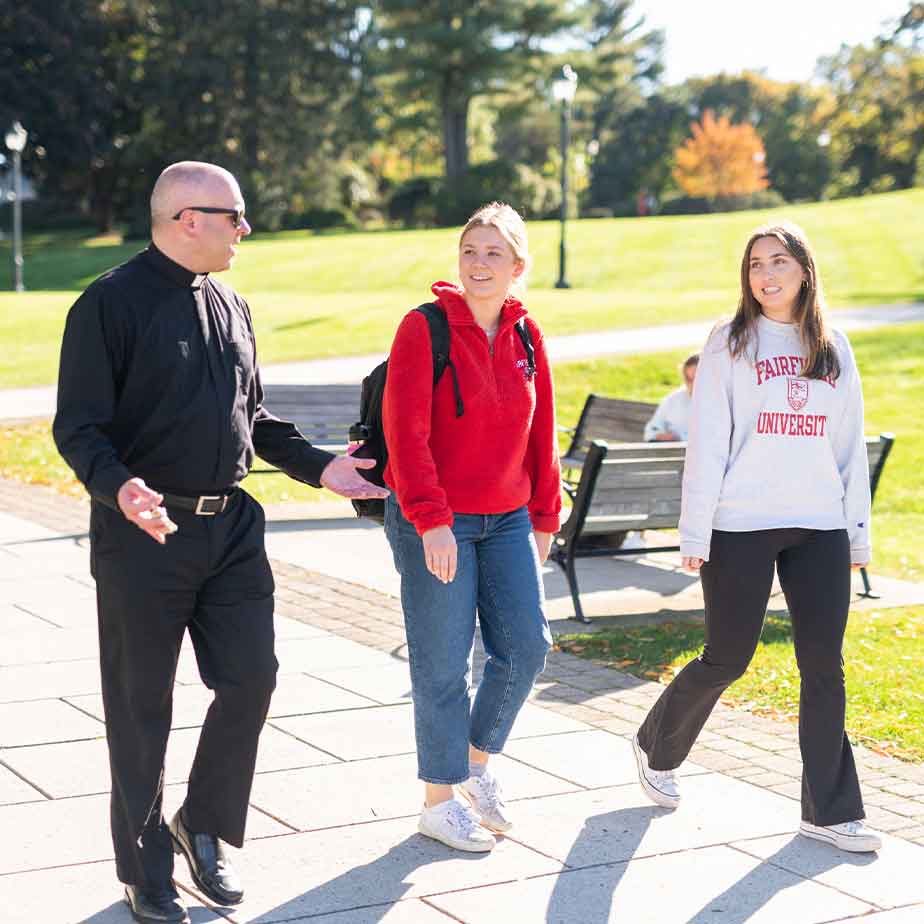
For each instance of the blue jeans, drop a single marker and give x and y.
(498, 574)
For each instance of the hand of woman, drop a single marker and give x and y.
(691, 564)
(543, 545)
(440, 553)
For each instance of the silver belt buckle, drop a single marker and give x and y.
(210, 497)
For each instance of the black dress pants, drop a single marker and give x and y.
(213, 579)
(814, 572)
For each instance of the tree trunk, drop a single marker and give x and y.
(455, 134)
(102, 206)
(251, 69)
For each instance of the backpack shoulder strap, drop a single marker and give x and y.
(526, 337)
(439, 337)
(439, 342)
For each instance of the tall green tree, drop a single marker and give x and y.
(877, 120)
(271, 90)
(635, 154)
(446, 54)
(619, 63)
(112, 90)
(69, 71)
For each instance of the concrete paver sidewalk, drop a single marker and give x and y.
(332, 828)
(26, 403)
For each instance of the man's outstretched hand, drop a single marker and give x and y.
(341, 477)
(142, 506)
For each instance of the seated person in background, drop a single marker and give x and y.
(669, 422)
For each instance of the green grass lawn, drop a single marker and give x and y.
(326, 295)
(883, 653)
(891, 361)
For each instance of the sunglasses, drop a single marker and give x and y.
(236, 215)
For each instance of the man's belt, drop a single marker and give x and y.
(206, 505)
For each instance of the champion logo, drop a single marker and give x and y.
(798, 393)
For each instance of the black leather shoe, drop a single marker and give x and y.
(210, 868)
(160, 907)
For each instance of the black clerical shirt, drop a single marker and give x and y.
(159, 380)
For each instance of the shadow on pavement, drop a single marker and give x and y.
(571, 900)
(372, 887)
(748, 895)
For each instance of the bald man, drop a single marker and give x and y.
(160, 414)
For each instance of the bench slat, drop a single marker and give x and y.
(322, 413)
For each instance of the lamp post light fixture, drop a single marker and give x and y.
(563, 89)
(16, 141)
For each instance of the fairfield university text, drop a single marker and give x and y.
(782, 423)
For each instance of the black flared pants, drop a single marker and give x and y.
(814, 572)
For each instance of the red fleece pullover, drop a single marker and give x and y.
(501, 453)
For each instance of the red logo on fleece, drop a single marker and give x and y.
(798, 393)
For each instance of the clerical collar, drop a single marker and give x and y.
(159, 261)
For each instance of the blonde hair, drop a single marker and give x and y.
(509, 224)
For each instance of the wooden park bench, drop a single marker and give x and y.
(322, 413)
(611, 420)
(637, 486)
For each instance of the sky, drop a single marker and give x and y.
(782, 37)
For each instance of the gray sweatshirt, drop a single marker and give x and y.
(672, 415)
(769, 449)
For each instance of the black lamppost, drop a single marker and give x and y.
(563, 90)
(16, 141)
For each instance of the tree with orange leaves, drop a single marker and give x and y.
(721, 159)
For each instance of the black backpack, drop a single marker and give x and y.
(369, 430)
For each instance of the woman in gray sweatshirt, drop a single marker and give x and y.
(776, 476)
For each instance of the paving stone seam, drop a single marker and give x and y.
(41, 744)
(338, 686)
(263, 811)
(580, 786)
(442, 911)
(64, 699)
(291, 734)
(28, 612)
(27, 781)
(44, 869)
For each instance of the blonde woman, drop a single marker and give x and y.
(473, 468)
(776, 478)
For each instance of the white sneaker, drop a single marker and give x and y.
(634, 540)
(484, 792)
(455, 825)
(851, 835)
(660, 785)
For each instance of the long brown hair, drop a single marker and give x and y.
(821, 361)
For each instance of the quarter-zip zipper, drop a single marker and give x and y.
(491, 357)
